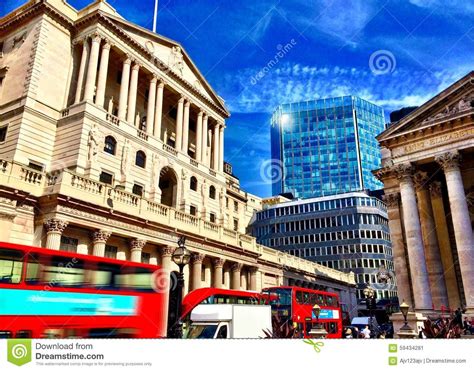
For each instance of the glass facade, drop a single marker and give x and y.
(326, 146)
(348, 232)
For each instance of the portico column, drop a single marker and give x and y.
(132, 95)
(199, 137)
(54, 230)
(124, 84)
(444, 245)
(208, 149)
(204, 140)
(218, 264)
(186, 128)
(92, 69)
(82, 70)
(221, 149)
(243, 280)
(461, 223)
(398, 245)
(136, 248)
(196, 264)
(150, 114)
(216, 147)
(179, 125)
(430, 242)
(99, 239)
(102, 80)
(158, 110)
(236, 268)
(416, 255)
(253, 278)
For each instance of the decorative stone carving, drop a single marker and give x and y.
(93, 144)
(125, 165)
(436, 189)
(421, 179)
(392, 200)
(449, 160)
(101, 236)
(219, 262)
(55, 225)
(176, 60)
(204, 192)
(236, 267)
(137, 244)
(404, 171)
(197, 258)
(167, 251)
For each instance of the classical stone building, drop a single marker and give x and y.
(428, 175)
(112, 144)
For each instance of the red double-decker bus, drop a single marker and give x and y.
(295, 305)
(54, 294)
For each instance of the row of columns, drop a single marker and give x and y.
(430, 261)
(209, 140)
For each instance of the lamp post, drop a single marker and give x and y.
(406, 331)
(181, 257)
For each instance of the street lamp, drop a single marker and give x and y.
(181, 257)
(318, 331)
(404, 309)
(369, 294)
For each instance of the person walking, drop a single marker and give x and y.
(366, 332)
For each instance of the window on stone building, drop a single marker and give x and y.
(137, 190)
(106, 178)
(3, 134)
(236, 224)
(110, 145)
(236, 206)
(212, 192)
(146, 258)
(118, 78)
(212, 217)
(193, 210)
(227, 202)
(193, 183)
(140, 159)
(36, 166)
(111, 251)
(68, 244)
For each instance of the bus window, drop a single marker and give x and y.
(11, 265)
(24, 334)
(135, 279)
(64, 272)
(5, 334)
(104, 276)
(332, 328)
(330, 300)
(33, 269)
(321, 300)
(299, 297)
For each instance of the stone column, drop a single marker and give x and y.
(92, 69)
(430, 242)
(253, 278)
(125, 80)
(185, 146)
(179, 125)
(216, 147)
(243, 280)
(102, 79)
(99, 239)
(199, 137)
(227, 277)
(196, 263)
(54, 230)
(221, 149)
(204, 140)
(236, 268)
(82, 70)
(416, 255)
(444, 245)
(136, 248)
(132, 95)
(398, 245)
(158, 110)
(208, 149)
(218, 264)
(461, 223)
(208, 275)
(150, 114)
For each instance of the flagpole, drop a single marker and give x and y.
(155, 15)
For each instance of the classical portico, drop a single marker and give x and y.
(428, 168)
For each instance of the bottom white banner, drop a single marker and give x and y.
(147, 355)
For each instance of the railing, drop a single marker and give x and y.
(31, 176)
(88, 185)
(186, 218)
(212, 172)
(3, 166)
(157, 208)
(230, 233)
(211, 226)
(65, 113)
(113, 119)
(170, 149)
(124, 197)
(142, 135)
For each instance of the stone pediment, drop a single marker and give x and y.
(172, 55)
(453, 103)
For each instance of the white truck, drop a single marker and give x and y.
(229, 321)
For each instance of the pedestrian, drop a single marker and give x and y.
(458, 317)
(349, 334)
(382, 335)
(366, 332)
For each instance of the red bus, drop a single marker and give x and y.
(55, 294)
(211, 295)
(295, 304)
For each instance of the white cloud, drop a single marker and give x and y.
(452, 6)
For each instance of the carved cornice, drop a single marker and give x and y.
(197, 258)
(236, 267)
(219, 262)
(383, 173)
(137, 244)
(449, 161)
(392, 200)
(55, 225)
(436, 189)
(404, 172)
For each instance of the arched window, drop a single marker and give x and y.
(110, 145)
(193, 183)
(140, 159)
(212, 192)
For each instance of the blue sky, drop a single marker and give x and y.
(258, 54)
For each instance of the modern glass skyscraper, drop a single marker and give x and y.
(326, 146)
